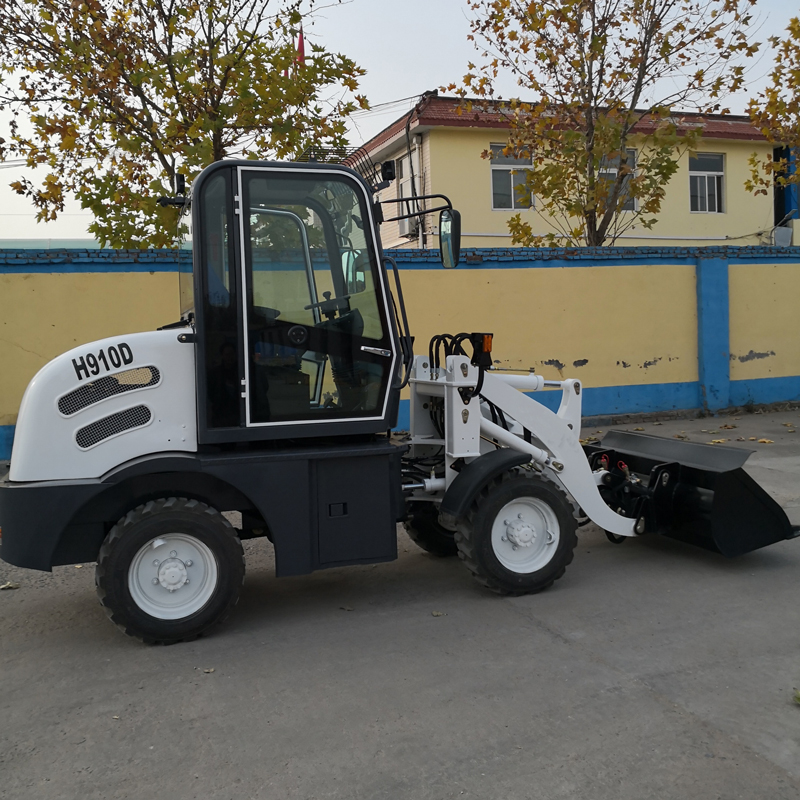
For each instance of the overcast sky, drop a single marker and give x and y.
(406, 46)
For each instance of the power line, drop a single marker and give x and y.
(379, 106)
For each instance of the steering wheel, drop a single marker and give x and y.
(329, 307)
(263, 315)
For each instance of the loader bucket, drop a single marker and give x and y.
(696, 493)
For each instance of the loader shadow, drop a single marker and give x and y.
(412, 579)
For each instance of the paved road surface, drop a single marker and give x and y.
(651, 670)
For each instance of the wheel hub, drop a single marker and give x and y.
(172, 574)
(520, 533)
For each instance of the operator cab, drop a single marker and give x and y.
(294, 331)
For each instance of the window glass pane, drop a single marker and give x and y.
(501, 188)
(220, 337)
(522, 197)
(711, 185)
(697, 190)
(215, 235)
(607, 163)
(507, 161)
(718, 182)
(314, 300)
(606, 179)
(630, 202)
(705, 162)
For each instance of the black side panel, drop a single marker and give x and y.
(356, 519)
(473, 478)
(281, 491)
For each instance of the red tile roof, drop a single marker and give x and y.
(434, 111)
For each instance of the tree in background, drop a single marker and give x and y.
(776, 112)
(603, 77)
(115, 97)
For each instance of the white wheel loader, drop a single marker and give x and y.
(275, 396)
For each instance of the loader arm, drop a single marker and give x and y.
(560, 434)
(555, 437)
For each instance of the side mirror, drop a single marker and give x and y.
(450, 237)
(388, 171)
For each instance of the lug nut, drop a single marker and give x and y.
(503, 539)
(189, 563)
(173, 553)
(186, 582)
(155, 581)
(156, 563)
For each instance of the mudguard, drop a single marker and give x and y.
(472, 478)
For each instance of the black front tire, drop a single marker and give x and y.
(424, 530)
(545, 535)
(135, 538)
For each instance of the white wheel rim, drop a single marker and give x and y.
(173, 576)
(525, 535)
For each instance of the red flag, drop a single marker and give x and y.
(301, 49)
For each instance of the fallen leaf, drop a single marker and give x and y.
(9, 585)
(718, 441)
(115, 717)
(740, 439)
(658, 423)
(791, 430)
(209, 670)
(751, 439)
(679, 436)
(79, 566)
(638, 429)
(765, 441)
(437, 613)
(728, 427)
(796, 697)
(345, 608)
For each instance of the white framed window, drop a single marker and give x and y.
(408, 166)
(706, 183)
(508, 178)
(405, 167)
(609, 168)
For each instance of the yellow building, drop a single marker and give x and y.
(706, 203)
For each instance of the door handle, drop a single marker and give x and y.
(378, 351)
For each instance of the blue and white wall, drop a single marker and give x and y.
(645, 329)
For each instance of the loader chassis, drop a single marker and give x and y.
(275, 396)
(342, 504)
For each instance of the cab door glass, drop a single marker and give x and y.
(220, 322)
(317, 337)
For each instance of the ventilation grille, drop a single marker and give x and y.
(111, 425)
(103, 388)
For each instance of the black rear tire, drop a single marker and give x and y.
(132, 550)
(519, 534)
(424, 530)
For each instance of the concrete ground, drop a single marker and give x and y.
(651, 670)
